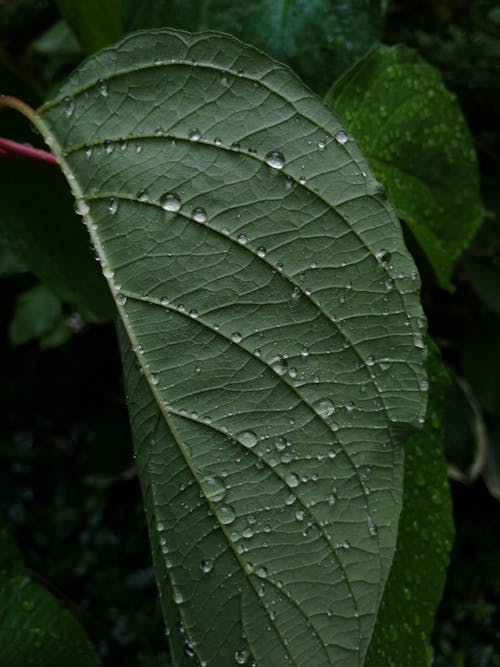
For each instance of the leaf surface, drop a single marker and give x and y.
(320, 39)
(272, 340)
(418, 145)
(418, 574)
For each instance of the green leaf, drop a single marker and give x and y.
(38, 224)
(417, 142)
(320, 39)
(416, 581)
(35, 630)
(38, 311)
(272, 340)
(95, 23)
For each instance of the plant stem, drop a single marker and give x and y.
(10, 102)
(9, 148)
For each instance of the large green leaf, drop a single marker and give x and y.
(320, 39)
(418, 144)
(35, 630)
(272, 340)
(416, 581)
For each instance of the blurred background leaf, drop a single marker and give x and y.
(319, 39)
(35, 630)
(418, 145)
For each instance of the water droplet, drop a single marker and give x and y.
(321, 144)
(280, 443)
(206, 566)
(418, 341)
(195, 135)
(302, 180)
(383, 256)
(69, 106)
(349, 406)
(199, 215)
(142, 195)
(121, 299)
(372, 527)
(248, 439)
(299, 515)
(214, 488)
(279, 365)
(325, 407)
(164, 300)
(292, 480)
(261, 252)
(243, 239)
(261, 572)
(108, 146)
(88, 151)
(275, 160)
(424, 385)
(170, 201)
(113, 205)
(154, 379)
(241, 657)
(103, 87)
(138, 149)
(81, 207)
(193, 313)
(218, 141)
(107, 272)
(389, 284)
(342, 137)
(226, 514)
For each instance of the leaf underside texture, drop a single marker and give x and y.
(271, 337)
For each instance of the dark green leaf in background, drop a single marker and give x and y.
(35, 630)
(95, 23)
(38, 315)
(405, 621)
(38, 224)
(319, 39)
(273, 340)
(416, 139)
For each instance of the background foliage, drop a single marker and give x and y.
(65, 454)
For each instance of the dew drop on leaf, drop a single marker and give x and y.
(325, 407)
(279, 365)
(241, 657)
(275, 159)
(199, 214)
(342, 137)
(81, 207)
(69, 106)
(103, 87)
(113, 205)
(292, 480)
(206, 566)
(214, 488)
(170, 201)
(248, 439)
(195, 135)
(226, 514)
